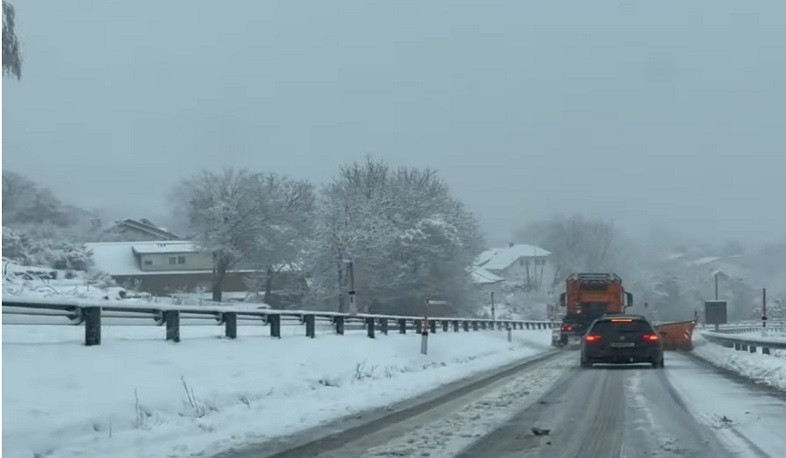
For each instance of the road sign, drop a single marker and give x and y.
(715, 312)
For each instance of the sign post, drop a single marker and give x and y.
(493, 312)
(425, 330)
(353, 308)
(764, 309)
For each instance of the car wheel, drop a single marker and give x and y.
(585, 364)
(658, 364)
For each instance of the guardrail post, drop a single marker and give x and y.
(275, 325)
(383, 322)
(466, 326)
(310, 325)
(370, 327)
(445, 324)
(474, 325)
(510, 334)
(92, 319)
(418, 326)
(455, 326)
(172, 320)
(433, 326)
(230, 325)
(339, 322)
(402, 326)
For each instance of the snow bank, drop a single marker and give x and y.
(765, 369)
(153, 398)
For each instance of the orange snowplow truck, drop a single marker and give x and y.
(589, 296)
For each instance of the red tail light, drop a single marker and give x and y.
(651, 337)
(567, 327)
(592, 338)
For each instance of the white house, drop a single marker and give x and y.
(517, 263)
(161, 267)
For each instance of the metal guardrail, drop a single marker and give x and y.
(91, 313)
(742, 328)
(743, 341)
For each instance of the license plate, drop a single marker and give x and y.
(622, 344)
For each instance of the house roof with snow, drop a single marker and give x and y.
(502, 258)
(118, 258)
(164, 247)
(482, 276)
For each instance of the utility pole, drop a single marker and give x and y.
(716, 285)
(764, 307)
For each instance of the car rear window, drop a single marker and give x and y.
(621, 327)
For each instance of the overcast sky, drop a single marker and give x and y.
(667, 112)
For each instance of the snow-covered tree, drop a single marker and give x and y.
(408, 239)
(40, 246)
(245, 218)
(12, 56)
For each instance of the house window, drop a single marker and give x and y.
(148, 262)
(173, 260)
(181, 259)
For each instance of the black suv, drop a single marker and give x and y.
(621, 339)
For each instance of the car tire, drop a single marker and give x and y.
(658, 364)
(585, 364)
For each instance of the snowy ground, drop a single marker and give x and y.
(136, 395)
(765, 369)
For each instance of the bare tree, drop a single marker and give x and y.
(576, 244)
(12, 55)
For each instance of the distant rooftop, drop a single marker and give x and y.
(502, 258)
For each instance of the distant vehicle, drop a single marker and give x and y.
(622, 339)
(588, 296)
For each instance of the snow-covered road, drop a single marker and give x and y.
(687, 409)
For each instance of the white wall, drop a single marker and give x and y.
(160, 262)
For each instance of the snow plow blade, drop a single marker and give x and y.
(677, 335)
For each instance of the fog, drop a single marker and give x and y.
(661, 115)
